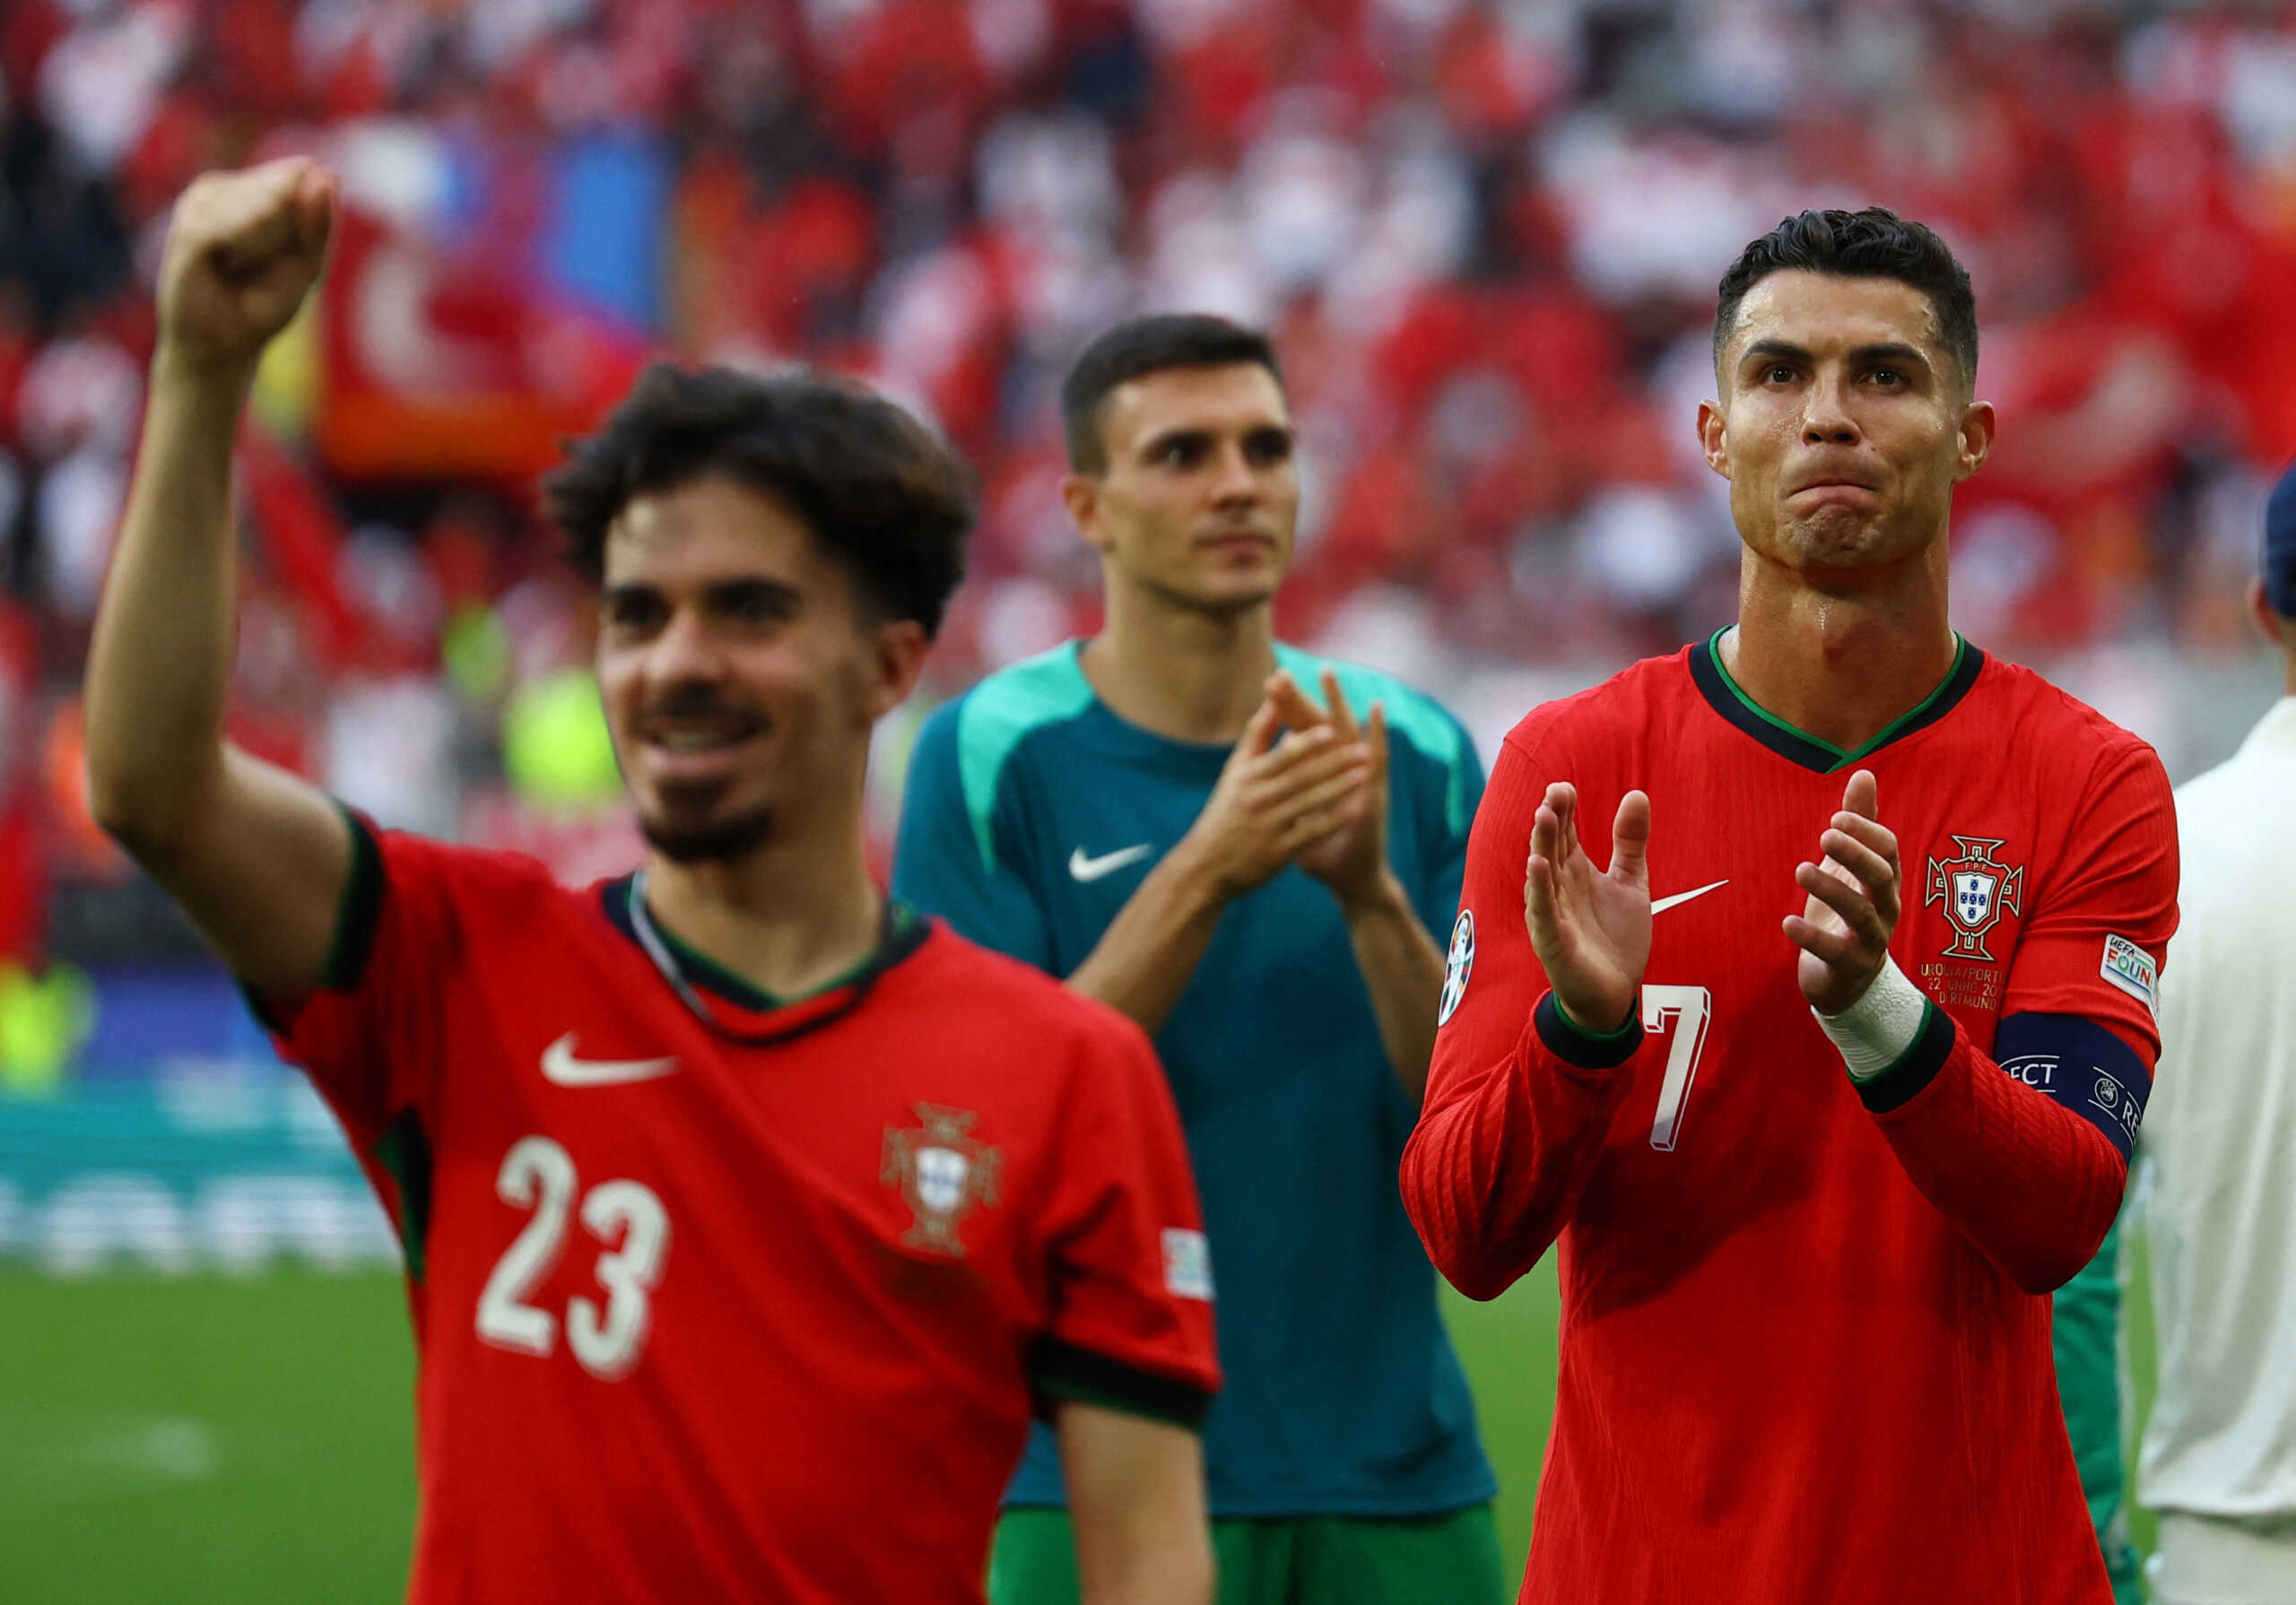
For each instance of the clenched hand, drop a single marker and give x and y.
(243, 250)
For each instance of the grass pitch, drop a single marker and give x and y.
(183, 1441)
(210, 1440)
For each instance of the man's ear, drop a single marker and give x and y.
(1978, 423)
(901, 648)
(1079, 493)
(2269, 622)
(1714, 438)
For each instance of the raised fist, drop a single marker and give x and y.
(243, 249)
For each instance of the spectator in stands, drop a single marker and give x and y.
(1474, 234)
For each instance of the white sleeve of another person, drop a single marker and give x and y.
(2220, 1155)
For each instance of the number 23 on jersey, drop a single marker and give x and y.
(627, 1216)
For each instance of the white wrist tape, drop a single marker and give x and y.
(1874, 1032)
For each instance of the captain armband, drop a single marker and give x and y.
(2082, 1066)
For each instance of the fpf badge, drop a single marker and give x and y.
(1976, 890)
(943, 1171)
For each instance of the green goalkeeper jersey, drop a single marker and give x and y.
(2086, 1336)
(1032, 815)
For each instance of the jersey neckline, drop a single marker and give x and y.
(1729, 700)
(1178, 748)
(753, 1016)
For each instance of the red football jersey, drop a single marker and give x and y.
(1805, 1336)
(740, 1311)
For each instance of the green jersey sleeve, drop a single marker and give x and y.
(2085, 1335)
(953, 855)
(1451, 781)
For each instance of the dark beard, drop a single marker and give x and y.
(711, 841)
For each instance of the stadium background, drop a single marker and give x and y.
(1486, 237)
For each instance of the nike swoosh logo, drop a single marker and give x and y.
(1663, 904)
(1092, 869)
(559, 1065)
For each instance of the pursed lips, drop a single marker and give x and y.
(1821, 486)
(1838, 474)
(1224, 539)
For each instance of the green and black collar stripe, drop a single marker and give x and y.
(1725, 696)
(755, 1017)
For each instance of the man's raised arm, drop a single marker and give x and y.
(1540, 1017)
(2032, 1177)
(257, 857)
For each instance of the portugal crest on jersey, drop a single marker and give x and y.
(943, 1171)
(1976, 890)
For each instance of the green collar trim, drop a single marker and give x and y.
(1729, 700)
(703, 970)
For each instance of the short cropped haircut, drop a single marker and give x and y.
(880, 493)
(1873, 244)
(1146, 345)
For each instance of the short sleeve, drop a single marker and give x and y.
(2094, 947)
(1130, 1274)
(955, 859)
(369, 1036)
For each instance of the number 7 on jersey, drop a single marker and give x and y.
(1687, 1009)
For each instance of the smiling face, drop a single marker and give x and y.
(1201, 494)
(741, 669)
(1844, 425)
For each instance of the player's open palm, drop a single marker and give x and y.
(1590, 927)
(1273, 798)
(243, 249)
(1852, 906)
(1352, 858)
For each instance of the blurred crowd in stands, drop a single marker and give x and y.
(1486, 236)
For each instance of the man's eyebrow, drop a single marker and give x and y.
(1770, 350)
(719, 592)
(1890, 351)
(1880, 350)
(748, 585)
(1188, 435)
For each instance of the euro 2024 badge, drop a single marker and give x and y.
(943, 1171)
(1458, 966)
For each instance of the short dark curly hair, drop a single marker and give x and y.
(883, 495)
(1873, 244)
(1146, 345)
